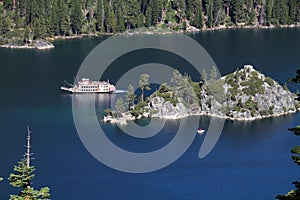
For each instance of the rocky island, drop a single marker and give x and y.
(36, 44)
(245, 94)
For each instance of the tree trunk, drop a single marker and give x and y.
(85, 5)
(227, 11)
(103, 16)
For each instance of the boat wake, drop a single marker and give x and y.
(119, 91)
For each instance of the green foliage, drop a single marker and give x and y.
(215, 88)
(130, 96)
(251, 105)
(285, 86)
(295, 193)
(66, 17)
(119, 107)
(144, 84)
(271, 110)
(253, 85)
(269, 81)
(264, 112)
(296, 154)
(139, 108)
(234, 92)
(231, 80)
(236, 108)
(108, 111)
(23, 176)
(132, 14)
(164, 88)
(237, 11)
(197, 89)
(295, 130)
(204, 75)
(214, 73)
(198, 18)
(166, 93)
(22, 179)
(291, 195)
(183, 88)
(76, 17)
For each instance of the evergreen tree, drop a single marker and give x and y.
(6, 25)
(23, 176)
(144, 84)
(155, 11)
(292, 4)
(1, 21)
(250, 12)
(190, 8)
(113, 23)
(130, 96)
(269, 11)
(100, 16)
(132, 13)
(209, 12)
(198, 22)
(237, 10)
(204, 75)
(213, 73)
(54, 19)
(283, 15)
(216, 11)
(140, 22)
(76, 17)
(176, 79)
(110, 21)
(17, 18)
(148, 16)
(26, 37)
(295, 193)
(119, 107)
(181, 9)
(120, 19)
(62, 17)
(64, 24)
(40, 29)
(8, 4)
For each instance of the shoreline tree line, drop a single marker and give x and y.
(27, 20)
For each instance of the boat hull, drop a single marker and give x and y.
(74, 91)
(200, 131)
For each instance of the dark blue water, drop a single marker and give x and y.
(250, 161)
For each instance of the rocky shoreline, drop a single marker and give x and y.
(45, 44)
(249, 95)
(39, 44)
(127, 117)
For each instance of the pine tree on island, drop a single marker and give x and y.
(130, 96)
(119, 107)
(22, 177)
(144, 84)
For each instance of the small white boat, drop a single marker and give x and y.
(200, 131)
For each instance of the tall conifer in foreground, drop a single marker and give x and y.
(23, 176)
(294, 194)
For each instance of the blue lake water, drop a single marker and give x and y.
(251, 160)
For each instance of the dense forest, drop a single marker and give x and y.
(34, 19)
